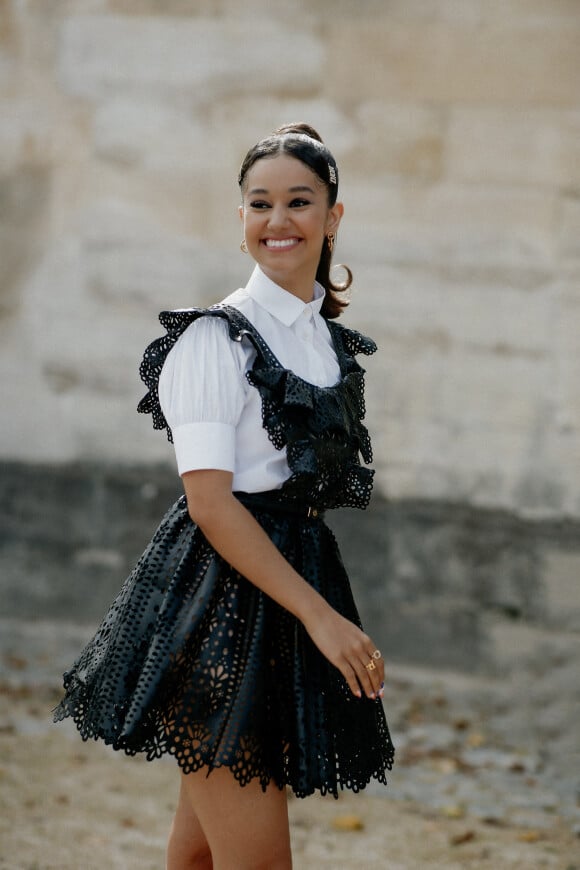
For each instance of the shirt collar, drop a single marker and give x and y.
(281, 304)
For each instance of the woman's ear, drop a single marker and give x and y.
(241, 212)
(334, 217)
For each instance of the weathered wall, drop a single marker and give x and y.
(456, 125)
(457, 129)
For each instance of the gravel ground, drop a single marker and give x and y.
(487, 774)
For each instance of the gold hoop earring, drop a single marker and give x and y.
(243, 246)
(330, 239)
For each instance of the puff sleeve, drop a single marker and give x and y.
(202, 392)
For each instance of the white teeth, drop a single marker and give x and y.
(280, 243)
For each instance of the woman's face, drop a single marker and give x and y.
(286, 219)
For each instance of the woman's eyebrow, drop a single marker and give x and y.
(299, 188)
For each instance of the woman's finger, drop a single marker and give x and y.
(362, 680)
(367, 663)
(373, 677)
(369, 679)
(351, 678)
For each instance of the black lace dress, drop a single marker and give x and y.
(194, 660)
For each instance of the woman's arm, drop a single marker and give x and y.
(241, 541)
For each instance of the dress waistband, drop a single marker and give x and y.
(271, 501)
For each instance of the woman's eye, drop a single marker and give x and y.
(260, 204)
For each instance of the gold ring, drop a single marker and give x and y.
(371, 666)
(377, 654)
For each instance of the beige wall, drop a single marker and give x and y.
(456, 125)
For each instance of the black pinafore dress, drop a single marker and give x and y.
(194, 660)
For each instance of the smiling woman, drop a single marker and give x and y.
(235, 644)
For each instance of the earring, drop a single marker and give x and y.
(243, 246)
(330, 239)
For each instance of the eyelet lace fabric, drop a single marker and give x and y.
(195, 661)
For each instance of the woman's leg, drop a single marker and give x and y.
(187, 848)
(246, 828)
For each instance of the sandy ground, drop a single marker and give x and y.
(487, 773)
(70, 805)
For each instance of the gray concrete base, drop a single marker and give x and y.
(436, 583)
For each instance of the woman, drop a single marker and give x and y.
(235, 644)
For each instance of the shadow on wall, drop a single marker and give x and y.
(436, 584)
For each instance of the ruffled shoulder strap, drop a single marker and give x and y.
(175, 323)
(348, 342)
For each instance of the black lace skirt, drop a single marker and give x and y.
(193, 660)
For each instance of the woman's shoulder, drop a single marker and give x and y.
(203, 332)
(352, 341)
(177, 320)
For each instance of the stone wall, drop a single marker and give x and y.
(457, 130)
(456, 126)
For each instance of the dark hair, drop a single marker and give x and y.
(304, 143)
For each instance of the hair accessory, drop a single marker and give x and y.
(331, 174)
(330, 239)
(243, 246)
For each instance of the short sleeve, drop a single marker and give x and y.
(202, 391)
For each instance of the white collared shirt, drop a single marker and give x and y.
(214, 413)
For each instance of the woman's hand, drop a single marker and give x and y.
(350, 650)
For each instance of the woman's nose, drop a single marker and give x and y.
(278, 216)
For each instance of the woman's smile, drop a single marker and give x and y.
(281, 244)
